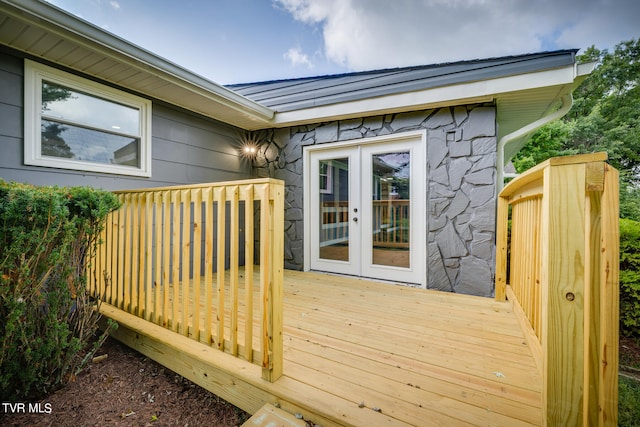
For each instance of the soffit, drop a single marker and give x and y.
(47, 33)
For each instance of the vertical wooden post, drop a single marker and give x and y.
(275, 279)
(175, 259)
(233, 268)
(221, 199)
(109, 246)
(265, 266)
(197, 258)
(208, 263)
(248, 270)
(128, 253)
(185, 266)
(563, 293)
(120, 256)
(502, 232)
(157, 256)
(147, 273)
(608, 273)
(166, 255)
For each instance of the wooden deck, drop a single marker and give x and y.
(346, 351)
(364, 353)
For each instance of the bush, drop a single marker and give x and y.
(47, 237)
(629, 278)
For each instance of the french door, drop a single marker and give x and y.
(366, 211)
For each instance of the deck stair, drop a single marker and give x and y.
(270, 416)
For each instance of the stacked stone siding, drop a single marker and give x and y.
(461, 193)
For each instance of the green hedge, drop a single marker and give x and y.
(629, 278)
(47, 237)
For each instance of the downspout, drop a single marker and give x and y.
(567, 102)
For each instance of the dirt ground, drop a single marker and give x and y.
(128, 389)
(630, 357)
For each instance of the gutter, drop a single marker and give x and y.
(581, 72)
(567, 103)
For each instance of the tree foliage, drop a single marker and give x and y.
(605, 117)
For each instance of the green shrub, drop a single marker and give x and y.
(628, 402)
(47, 237)
(629, 278)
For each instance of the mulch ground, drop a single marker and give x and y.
(630, 357)
(129, 389)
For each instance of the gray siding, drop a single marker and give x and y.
(186, 148)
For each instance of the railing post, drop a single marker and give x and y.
(569, 239)
(579, 294)
(275, 263)
(502, 237)
(605, 301)
(563, 293)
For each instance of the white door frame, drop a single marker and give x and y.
(418, 270)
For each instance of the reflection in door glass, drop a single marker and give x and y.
(390, 208)
(334, 209)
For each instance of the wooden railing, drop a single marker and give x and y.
(181, 257)
(391, 223)
(390, 219)
(559, 269)
(335, 223)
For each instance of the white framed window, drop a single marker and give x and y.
(75, 123)
(326, 177)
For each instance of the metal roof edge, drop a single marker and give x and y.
(52, 18)
(457, 94)
(524, 56)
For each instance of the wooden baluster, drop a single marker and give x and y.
(233, 268)
(221, 237)
(175, 259)
(197, 259)
(248, 270)
(208, 263)
(185, 268)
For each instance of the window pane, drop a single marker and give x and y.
(391, 208)
(59, 102)
(74, 142)
(334, 209)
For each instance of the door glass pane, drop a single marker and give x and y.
(334, 209)
(390, 207)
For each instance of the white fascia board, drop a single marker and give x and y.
(473, 92)
(53, 19)
(585, 68)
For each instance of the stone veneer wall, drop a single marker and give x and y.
(461, 165)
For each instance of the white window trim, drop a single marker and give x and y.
(329, 182)
(34, 74)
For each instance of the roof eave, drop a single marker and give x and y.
(459, 94)
(224, 102)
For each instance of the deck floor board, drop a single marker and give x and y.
(421, 357)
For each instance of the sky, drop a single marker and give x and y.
(242, 41)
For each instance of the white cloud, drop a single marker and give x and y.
(369, 34)
(296, 57)
(114, 4)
